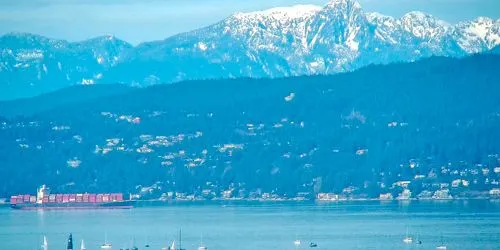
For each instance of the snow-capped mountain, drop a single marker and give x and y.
(287, 41)
(32, 64)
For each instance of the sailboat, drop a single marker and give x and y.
(45, 245)
(165, 248)
(419, 242)
(172, 247)
(296, 243)
(133, 245)
(202, 247)
(70, 242)
(82, 246)
(106, 245)
(441, 246)
(408, 239)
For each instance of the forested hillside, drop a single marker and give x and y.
(428, 122)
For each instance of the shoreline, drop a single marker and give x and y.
(158, 202)
(290, 201)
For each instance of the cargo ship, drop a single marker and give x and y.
(45, 200)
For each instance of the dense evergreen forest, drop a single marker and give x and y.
(366, 129)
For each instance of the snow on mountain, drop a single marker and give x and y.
(32, 64)
(285, 41)
(281, 13)
(478, 35)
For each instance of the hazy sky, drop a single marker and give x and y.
(145, 20)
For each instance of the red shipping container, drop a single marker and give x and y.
(119, 197)
(26, 198)
(65, 198)
(13, 200)
(79, 198)
(92, 198)
(52, 198)
(45, 199)
(105, 198)
(99, 198)
(85, 198)
(19, 200)
(59, 198)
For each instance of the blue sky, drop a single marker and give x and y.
(144, 20)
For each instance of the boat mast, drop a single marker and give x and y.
(180, 239)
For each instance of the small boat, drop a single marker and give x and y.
(165, 248)
(82, 246)
(296, 243)
(106, 244)
(147, 244)
(45, 245)
(134, 247)
(312, 244)
(408, 239)
(202, 246)
(172, 247)
(418, 242)
(70, 242)
(441, 246)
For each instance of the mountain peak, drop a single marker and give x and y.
(295, 11)
(484, 19)
(343, 4)
(277, 42)
(371, 16)
(24, 36)
(417, 14)
(105, 39)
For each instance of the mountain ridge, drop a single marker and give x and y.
(279, 42)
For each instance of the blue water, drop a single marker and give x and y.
(245, 225)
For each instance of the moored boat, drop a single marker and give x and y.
(82, 246)
(106, 244)
(408, 239)
(70, 242)
(202, 246)
(441, 246)
(45, 244)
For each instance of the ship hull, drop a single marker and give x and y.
(72, 205)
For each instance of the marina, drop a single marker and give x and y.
(173, 246)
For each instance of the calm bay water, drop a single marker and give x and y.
(250, 226)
